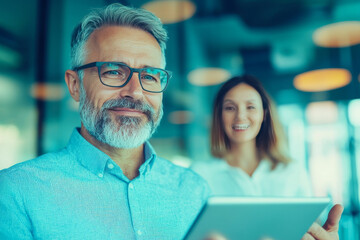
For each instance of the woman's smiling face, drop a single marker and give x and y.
(242, 114)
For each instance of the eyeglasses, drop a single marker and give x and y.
(116, 74)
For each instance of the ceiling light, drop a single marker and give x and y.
(340, 34)
(180, 117)
(47, 91)
(322, 80)
(208, 76)
(171, 11)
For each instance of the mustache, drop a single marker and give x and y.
(131, 104)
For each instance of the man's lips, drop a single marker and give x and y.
(126, 111)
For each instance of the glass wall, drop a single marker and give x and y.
(325, 133)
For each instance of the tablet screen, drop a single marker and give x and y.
(257, 218)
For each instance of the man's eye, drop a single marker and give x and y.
(149, 78)
(114, 73)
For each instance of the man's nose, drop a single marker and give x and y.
(133, 88)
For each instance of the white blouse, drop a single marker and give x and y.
(289, 180)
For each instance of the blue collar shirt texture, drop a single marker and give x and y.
(80, 193)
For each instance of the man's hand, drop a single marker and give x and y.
(330, 229)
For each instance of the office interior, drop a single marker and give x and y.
(305, 52)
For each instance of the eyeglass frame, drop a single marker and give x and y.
(132, 70)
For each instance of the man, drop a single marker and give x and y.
(108, 182)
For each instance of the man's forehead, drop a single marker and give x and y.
(114, 34)
(115, 43)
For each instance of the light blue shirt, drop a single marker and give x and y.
(80, 193)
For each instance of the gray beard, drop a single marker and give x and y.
(124, 131)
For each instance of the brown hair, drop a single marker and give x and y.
(270, 141)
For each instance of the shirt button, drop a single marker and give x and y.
(139, 232)
(110, 166)
(100, 175)
(131, 186)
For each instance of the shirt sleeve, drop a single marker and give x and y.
(14, 223)
(202, 169)
(205, 184)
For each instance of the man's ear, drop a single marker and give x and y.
(73, 83)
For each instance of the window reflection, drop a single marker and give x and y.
(331, 151)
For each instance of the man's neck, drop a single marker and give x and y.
(129, 160)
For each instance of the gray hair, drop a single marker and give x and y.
(115, 15)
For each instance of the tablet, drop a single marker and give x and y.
(239, 218)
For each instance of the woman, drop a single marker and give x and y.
(248, 141)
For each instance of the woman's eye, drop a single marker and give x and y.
(229, 108)
(251, 107)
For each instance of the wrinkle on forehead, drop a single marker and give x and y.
(115, 43)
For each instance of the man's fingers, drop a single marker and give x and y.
(307, 237)
(317, 232)
(332, 222)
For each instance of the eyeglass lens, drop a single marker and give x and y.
(151, 79)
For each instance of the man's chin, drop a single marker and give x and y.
(129, 138)
(130, 129)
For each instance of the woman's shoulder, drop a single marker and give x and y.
(293, 167)
(207, 165)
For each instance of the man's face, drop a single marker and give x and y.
(120, 117)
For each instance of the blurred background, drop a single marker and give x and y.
(306, 53)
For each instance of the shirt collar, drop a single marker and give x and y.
(95, 160)
(149, 156)
(87, 154)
